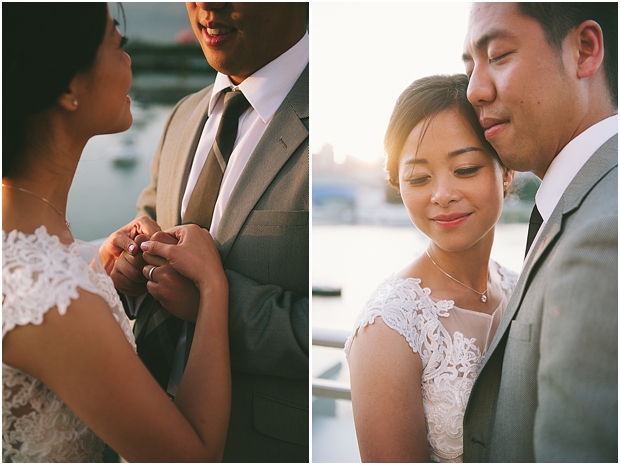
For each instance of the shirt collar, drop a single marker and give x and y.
(267, 88)
(569, 161)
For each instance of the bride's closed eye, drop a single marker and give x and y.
(469, 171)
(416, 175)
(418, 181)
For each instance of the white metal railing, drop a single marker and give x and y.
(327, 337)
(327, 387)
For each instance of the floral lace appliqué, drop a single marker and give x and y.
(450, 361)
(38, 274)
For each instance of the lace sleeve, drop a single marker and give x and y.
(40, 273)
(406, 308)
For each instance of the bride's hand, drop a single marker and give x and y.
(122, 257)
(195, 256)
(126, 240)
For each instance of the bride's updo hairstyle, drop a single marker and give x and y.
(422, 101)
(44, 46)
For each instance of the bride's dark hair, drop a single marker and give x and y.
(422, 101)
(44, 46)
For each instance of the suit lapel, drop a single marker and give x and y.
(548, 234)
(285, 133)
(179, 171)
(603, 160)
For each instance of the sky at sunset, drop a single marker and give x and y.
(363, 55)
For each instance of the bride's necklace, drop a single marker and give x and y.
(482, 295)
(39, 197)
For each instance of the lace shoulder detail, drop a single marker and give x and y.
(39, 273)
(407, 308)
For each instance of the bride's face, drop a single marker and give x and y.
(104, 101)
(451, 185)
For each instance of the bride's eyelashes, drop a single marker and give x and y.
(469, 171)
(124, 38)
(418, 181)
(461, 172)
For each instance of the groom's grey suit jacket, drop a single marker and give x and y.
(263, 242)
(548, 388)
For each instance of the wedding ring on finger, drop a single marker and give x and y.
(151, 273)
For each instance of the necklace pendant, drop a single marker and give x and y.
(483, 298)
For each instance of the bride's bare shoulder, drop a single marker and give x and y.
(414, 269)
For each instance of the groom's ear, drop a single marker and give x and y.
(587, 40)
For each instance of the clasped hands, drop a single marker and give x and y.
(172, 265)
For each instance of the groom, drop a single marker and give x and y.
(543, 79)
(259, 221)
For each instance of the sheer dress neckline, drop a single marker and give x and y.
(505, 276)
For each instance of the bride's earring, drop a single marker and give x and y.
(505, 183)
(75, 104)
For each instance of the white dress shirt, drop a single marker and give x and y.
(266, 89)
(567, 164)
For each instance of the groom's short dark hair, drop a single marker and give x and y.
(558, 19)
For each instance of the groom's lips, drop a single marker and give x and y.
(216, 33)
(492, 126)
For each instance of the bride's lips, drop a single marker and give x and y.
(215, 34)
(492, 127)
(450, 221)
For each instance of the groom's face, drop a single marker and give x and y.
(519, 85)
(238, 39)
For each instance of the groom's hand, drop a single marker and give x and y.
(174, 291)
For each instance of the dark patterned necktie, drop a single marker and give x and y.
(535, 221)
(157, 331)
(202, 201)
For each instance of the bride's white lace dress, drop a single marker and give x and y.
(38, 274)
(451, 343)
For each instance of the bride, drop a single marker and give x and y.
(70, 376)
(421, 337)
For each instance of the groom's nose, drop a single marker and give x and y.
(481, 88)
